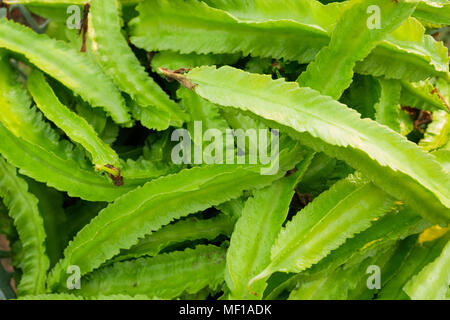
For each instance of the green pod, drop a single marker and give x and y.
(422, 95)
(255, 233)
(23, 209)
(295, 31)
(387, 109)
(157, 203)
(118, 61)
(415, 260)
(23, 120)
(393, 163)
(432, 282)
(165, 276)
(352, 40)
(185, 230)
(437, 133)
(68, 66)
(433, 13)
(74, 126)
(348, 208)
(62, 174)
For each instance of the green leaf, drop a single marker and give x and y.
(95, 117)
(396, 165)
(110, 132)
(71, 68)
(166, 275)
(23, 209)
(352, 40)
(157, 203)
(80, 214)
(207, 114)
(205, 119)
(237, 120)
(362, 95)
(119, 62)
(322, 174)
(6, 226)
(232, 208)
